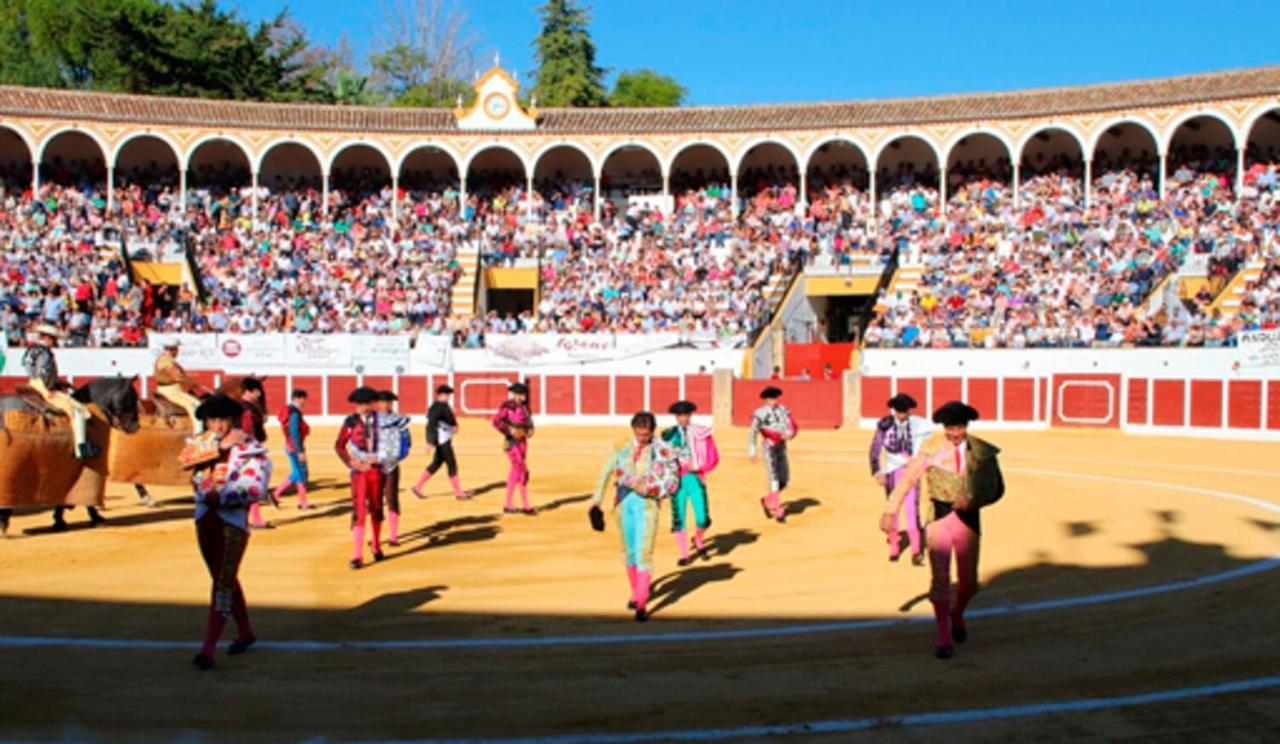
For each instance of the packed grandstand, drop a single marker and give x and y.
(1124, 215)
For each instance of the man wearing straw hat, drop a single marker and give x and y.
(175, 385)
(42, 369)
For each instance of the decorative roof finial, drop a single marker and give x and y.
(497, 59)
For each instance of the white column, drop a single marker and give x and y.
(111, 187)
(804, 190)
(1017, 185)
(324, 195)
(528, 195)
(595, 200)
(1160, 177)
(182, 190)
(35, 178)
(1239, 171)
(733, 191)
(254, 185)
(395, 198)
(942, 201)
(1088, 182)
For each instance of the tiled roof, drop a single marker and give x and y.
(1186, 89)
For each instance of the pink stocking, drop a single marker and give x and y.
(357, 534)
(422, 480)
(393, 527)
(642, 588)
(512, 476)
(683, 541)
(302, 494)
(280, 489)
(255, 514)
(697, 538)
(774, 501)
(946, 536)
(377, 535)
(457, 487)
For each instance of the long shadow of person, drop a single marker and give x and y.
(726, 543)
(449, 532)
(674, 587)
(399, 603)
(800, 506)
(565, 501)
(486, 488)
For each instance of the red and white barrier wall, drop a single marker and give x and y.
(1192, 392)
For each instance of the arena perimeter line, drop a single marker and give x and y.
(852, 725)
(1265, 564)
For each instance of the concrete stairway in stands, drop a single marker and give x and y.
(905, 280)
(464, 291)
(1229, 300)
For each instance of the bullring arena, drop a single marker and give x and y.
(1127, 576)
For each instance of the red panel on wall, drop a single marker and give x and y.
(811, 357)
(984, 392)
(378, 382)
(480, 394)
(1273, 404)
(415, 393)
(944, 389)
(340, 386)
(817, 404)
(535, 392)
(559, 391)
(875, 393)
(698, 389)
(663, 391)
(1168, 402)
(629, 395)
(1206, 403)
(595, 396)
(1019, 399)
(917, 387)
(1244, 404)
(1137, 393)
(1086, 400)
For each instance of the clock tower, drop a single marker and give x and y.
(496, 108)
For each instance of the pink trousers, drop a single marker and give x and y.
(946, 537)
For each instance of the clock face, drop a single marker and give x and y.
(496, 105)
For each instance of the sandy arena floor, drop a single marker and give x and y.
(1115, 566)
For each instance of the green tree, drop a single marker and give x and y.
(646, 88)
(567, 74)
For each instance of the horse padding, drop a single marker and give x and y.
(149, 456)
(38, 466)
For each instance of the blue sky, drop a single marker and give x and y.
(753, 51)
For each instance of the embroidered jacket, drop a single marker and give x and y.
(40, 364)
(898, 441)
(773, 423)
(295, 428)
(394, 440)
(238, 482)
(358, 440)
(695, 448)
(651, 471)
(512, 415)
(251, 421)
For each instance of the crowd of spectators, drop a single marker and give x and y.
(1041, 270)
(1051, 273)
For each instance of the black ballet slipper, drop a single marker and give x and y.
(203, 662)
(60, 525)
(378, 556)
(781, 518)
(510, 510)
(917, 559)
(631, 605)
(959, 633)
(704, 554)
(418, 493)
(944, 652)
(642, 615)
(682, 562)
(530, 512)
(356, 563)
(238, 647)
(394, 543)
(894, 558)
